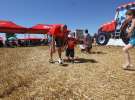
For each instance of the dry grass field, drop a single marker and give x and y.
(25, 74)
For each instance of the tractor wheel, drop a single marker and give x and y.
(102, 39)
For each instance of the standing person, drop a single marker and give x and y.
(94, 39)
(130, 17)
(87, 41)
(70, 50)
(58, 35)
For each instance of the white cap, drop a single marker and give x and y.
(69, 35)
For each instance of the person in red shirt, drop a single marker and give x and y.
(57, 33)
(71, 43)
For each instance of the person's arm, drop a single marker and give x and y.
(130, 30)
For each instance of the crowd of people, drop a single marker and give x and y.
(67, 42)
(63, 40)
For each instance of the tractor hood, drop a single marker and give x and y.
(108, 27)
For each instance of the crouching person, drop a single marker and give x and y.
(58, 33)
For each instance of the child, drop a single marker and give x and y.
(130, 16)
(71, 43)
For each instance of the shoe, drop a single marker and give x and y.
(127, 67)
(72, 61)
(51, 61)
(60, 61)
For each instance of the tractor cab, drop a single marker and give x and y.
(112, 29)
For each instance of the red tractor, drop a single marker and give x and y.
(112, 29)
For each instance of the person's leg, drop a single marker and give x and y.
(67, 54)
(72, 55)
(59, 45)
(88, 49)
(59, 49)
(51, 54)
(59, 52)
(127, 56)
(51, 49)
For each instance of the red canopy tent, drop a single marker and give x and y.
(10, 27)
(39, 28)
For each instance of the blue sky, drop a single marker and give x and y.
(88, 14)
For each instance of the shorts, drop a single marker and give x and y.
(59, 42)
(132, 41)
(70, 52)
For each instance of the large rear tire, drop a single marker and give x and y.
(102, 39)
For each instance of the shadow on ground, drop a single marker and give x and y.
(98, 52)
(84, 60)
(130, 69)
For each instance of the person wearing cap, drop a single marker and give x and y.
(70, 49)
(130, 17)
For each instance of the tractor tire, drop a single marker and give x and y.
(102, 39)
